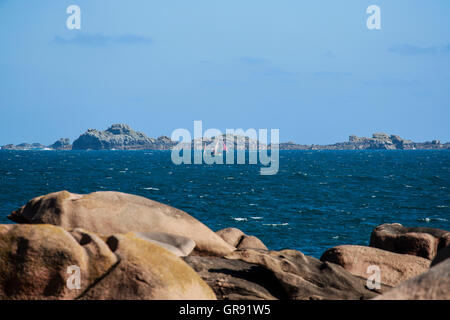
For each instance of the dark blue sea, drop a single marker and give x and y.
(318, 199)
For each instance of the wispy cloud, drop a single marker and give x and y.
(264, 67)
(409, 49)
(332, 74)
(277, 72)
(387, 81)
(253, 60)
(329, 54)
(98, 40)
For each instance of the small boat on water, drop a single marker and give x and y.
(216, 151)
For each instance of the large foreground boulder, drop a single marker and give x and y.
(149, 272)
(431, 285)
(289, 274)
(240, 240)
(110, 212)
(422, 242)
(394, 267)
(43, 261)
(34, 261)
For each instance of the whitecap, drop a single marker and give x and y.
(256, 218)
(252, 204)
(240, 219)
(275, 224)
(151, 188)
(426, 219)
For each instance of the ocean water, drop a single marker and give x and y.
(318, 199)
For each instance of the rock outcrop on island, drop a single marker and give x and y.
(379, 141)
(61, 144)
(120, 137)
(130, 247)
(25, 147)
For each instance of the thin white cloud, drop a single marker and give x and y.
(409, 49)
(97, 40)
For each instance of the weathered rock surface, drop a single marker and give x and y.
(61, 144)
(24, 146)
(236, 279)
(149, 272)
(240, 240)
(296, 276)
(178, 245)
(34, 261)
(422, 242)
(442, 255)
(115, 212)
(120, 137)
(378, 140)
(395, 268)
(431, 285)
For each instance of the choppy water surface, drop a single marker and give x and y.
(318, 199)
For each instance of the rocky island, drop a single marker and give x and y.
(131, 247)
(120, 137)
(379, 141)
(123, 137)
(61, 144)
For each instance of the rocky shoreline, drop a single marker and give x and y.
(123, 137)
(130, 247)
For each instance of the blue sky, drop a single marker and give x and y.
(310, 68)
